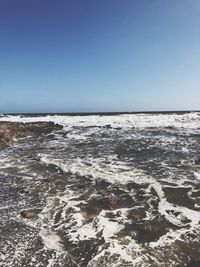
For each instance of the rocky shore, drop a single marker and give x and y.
(9, 131)
(93, 196)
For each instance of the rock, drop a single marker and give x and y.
(151, 231)
(113, 200)
(189, 248)
(12, 130)
(90, 212)
(197, 161)
(29, 213)
(178, 196)
(46, 180)
(137, 214)
(193, 263)
(27, 191)
(180, 245)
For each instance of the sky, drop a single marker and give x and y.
(99, 55)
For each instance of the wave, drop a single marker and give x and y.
(187, 121)
(122, 174)
(98, 169)
(123, 197)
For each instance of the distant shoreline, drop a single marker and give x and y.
(99, 113)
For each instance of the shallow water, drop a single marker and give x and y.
(107, 191)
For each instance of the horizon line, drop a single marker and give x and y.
(99, 112)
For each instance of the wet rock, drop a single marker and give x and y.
(99, 203)
(57, 216)
(121, 150)
(178, 196)
(102, 185)
(113, 200)
(180, 245)
(27, 191)
(46, 180)
(108, 126)
(90, 212)
(152, 231)
(193, 263)
(29, 213)
(145, 231)
(134, 186)
(55, 168)
(11, 130)
(197, 161)
(137, 214)
(110, 199)
(191, 249)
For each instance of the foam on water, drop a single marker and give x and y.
(187, 121)
(197, 175)
(82, 231)
(94, 169)
(51, 239)
(106, 180)
(123, 174)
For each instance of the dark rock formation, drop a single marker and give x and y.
(190, 249)
(197, 161)
(113, 201)
(137, 214)
(27, 191)
(178, 196)
(30, 213)
(11, 130)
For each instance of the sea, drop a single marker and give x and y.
(108, 190)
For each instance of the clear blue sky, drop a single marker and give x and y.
(99, 55)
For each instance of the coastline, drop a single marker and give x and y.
(118, 190)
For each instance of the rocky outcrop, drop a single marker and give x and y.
(12, 130)
(29, 213)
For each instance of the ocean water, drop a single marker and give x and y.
(107, 190)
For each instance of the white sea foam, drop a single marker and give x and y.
(186, 122)
(197, 175)
(51, 239)
(116, 172)
(95, 169)
(122, 174)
